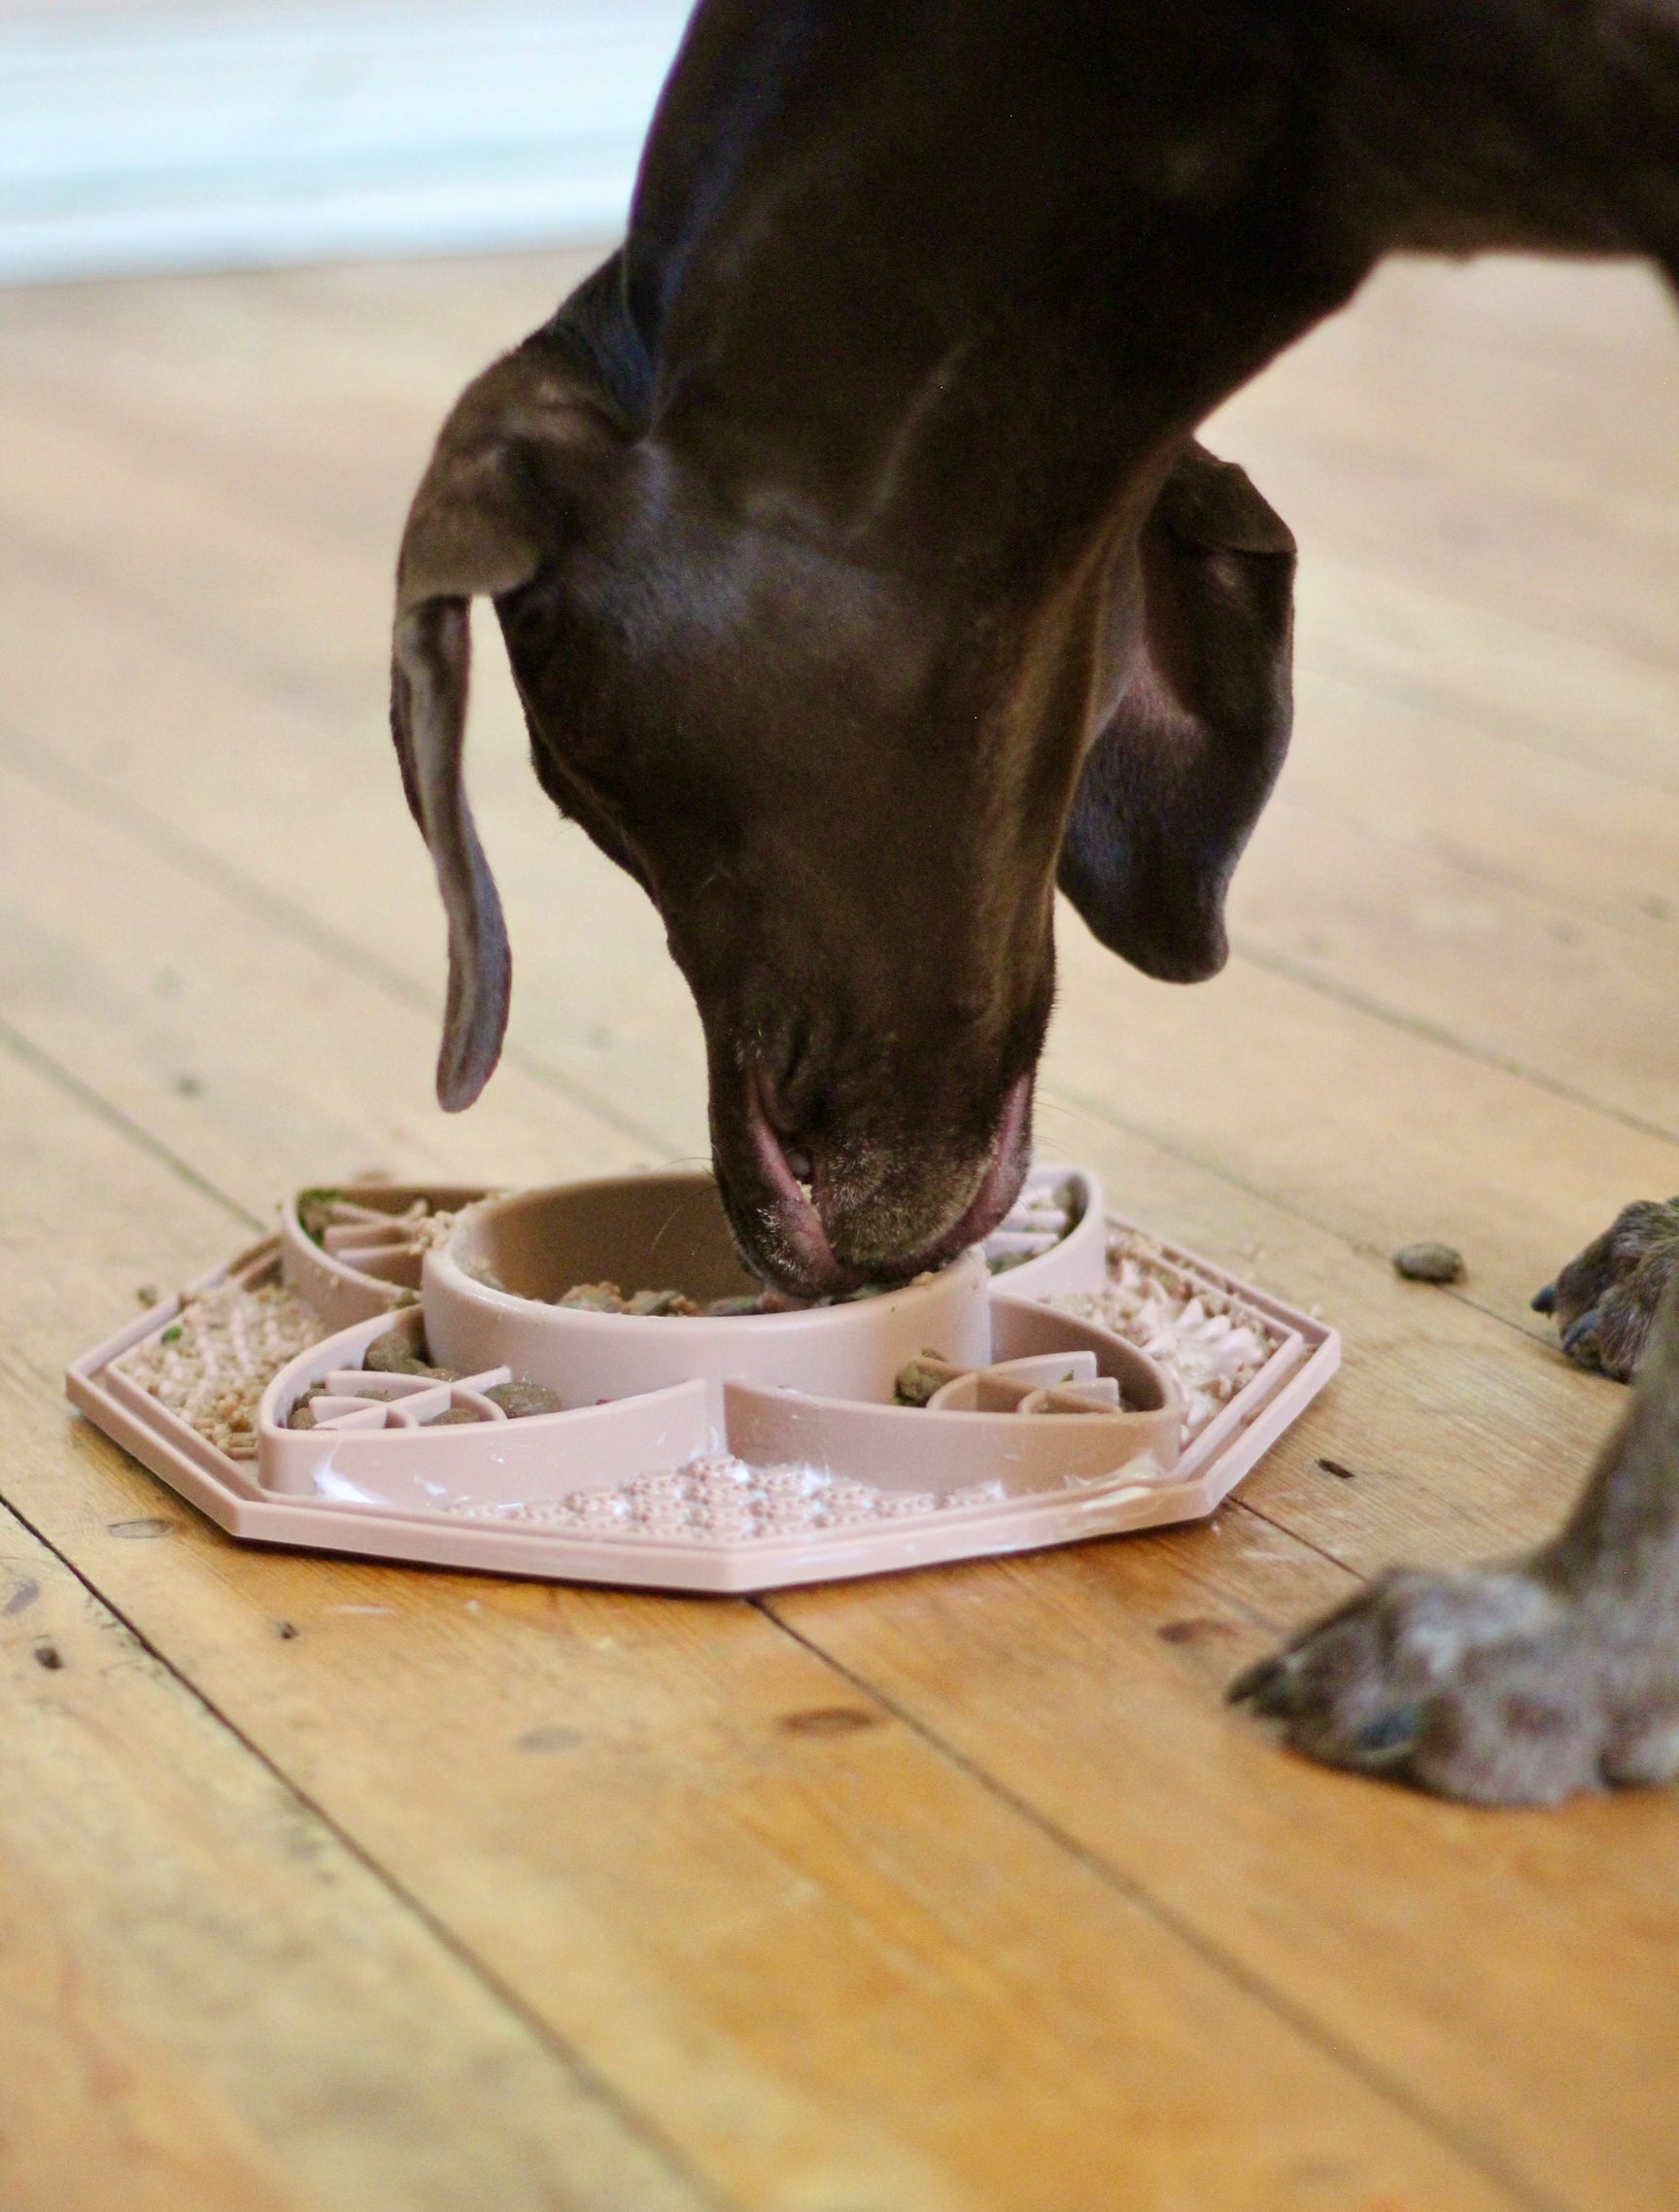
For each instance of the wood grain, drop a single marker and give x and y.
(813, 1950)
(207, 2000)
(954, 1890)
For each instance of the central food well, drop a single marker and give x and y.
(491, 1297)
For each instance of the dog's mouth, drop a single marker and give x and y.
(819, 1226)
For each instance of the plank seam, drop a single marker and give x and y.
(25, 1049)
(592, 2082)
(1417, 1026)
(203, 864)
(1483, 2159)
(1290, 1208)
(1345, 665)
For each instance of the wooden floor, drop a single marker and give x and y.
(330, 1886)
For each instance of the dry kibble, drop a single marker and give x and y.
(917, 1382)
(456, 1417)
(594, 1297)
(661, 1302)
(396, 1353)
(1429, 1262)
(521, 1400)
(607, 1298)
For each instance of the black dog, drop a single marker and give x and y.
(862, 581)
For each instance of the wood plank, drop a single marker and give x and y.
(304, 812)
(207, 2000)
(1466, 1438)
(1377, 1133)
(1463, 1433)
(1479, 1936)
(1475, 479)
(303, 806)
(834, 1963)
(245, 1046)
(1584, 837)
(387, 349)
(1578, 1000)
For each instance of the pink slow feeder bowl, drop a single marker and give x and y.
(1074, 1378)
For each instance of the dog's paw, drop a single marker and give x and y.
(1488, 1687)
(1605, 1298)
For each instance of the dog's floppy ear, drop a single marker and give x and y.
(1174, 785)
(491, 505)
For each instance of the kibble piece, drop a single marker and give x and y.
(396, 1353)
(520, 1400)
(917, 1382)
(300, 1417)
(594, 1297)
(1429, 1264)
(661, 1302)
(316, 1211)
(455, 1418)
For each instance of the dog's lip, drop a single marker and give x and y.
(1000, 1184)
(793, 1233)
(795, 1227)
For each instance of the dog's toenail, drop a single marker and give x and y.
(1545, 1300)
(1580, 1327)
(1257, 1681)
(1389, 1733)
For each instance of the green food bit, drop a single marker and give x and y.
(315, 1209)
(917, 1382)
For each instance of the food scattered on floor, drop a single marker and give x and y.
(1209, 1343)
(213, 1361)
(718, 1499)
(1429, 1262)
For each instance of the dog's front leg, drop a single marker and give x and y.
(1524, 1683)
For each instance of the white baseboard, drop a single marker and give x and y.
(187, 137)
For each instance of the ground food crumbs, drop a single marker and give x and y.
(719, 1498)
(1207, 1341)
(213, 1362)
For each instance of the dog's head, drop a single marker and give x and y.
(845, 782)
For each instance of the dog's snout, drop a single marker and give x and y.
(835, 1203)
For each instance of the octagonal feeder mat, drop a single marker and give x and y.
(582, 1383)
